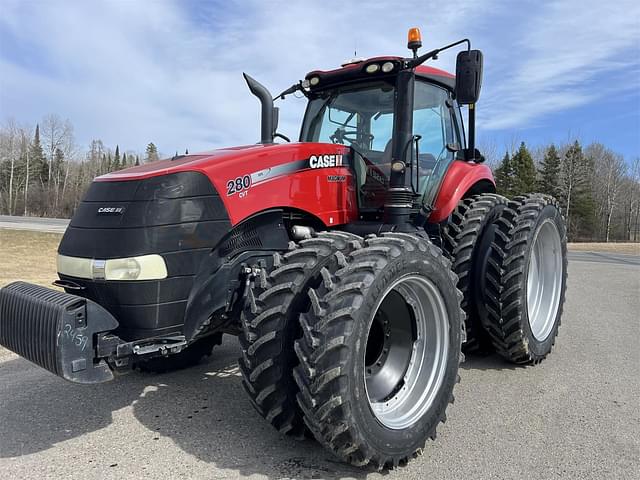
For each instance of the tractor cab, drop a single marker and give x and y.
(355, 106)
(401, 121)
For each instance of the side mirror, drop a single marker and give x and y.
(468, 76)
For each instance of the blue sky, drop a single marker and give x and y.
(130, 72)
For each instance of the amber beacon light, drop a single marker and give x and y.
(414, 39)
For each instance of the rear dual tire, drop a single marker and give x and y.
(527, 279)
(467, 240)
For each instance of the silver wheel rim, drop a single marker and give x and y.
(544, 280)
(406, 354)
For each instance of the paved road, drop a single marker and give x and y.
(574, 416)
(36, 224)
(602, 257)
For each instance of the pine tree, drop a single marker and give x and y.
(116, 159)
(37, 159)
(550, 181)
(58, 160)
(124, 160)
(137, 160)
(151, 153)
(186, 151)
(524, 171)
(504, 176)
(577, 196)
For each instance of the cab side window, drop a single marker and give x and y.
(433, 123)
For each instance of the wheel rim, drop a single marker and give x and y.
(544, 280)
(406, 359)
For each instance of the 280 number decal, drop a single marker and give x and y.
(238, 184)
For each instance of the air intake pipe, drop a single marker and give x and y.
(269, 113)
(397, 208)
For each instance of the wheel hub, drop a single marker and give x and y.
(406, 351)
(389, 347)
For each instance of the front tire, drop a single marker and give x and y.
(380, 352)
(270, 326)
(528, 279)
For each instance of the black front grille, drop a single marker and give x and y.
(168, 213)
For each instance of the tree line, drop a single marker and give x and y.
(599, 193)
(43, 172)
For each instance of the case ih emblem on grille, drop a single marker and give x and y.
(322, 161)
(110, 210)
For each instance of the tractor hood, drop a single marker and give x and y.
(252, 178)
(214, 162)
(262, 175)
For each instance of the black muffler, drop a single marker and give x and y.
(55, 330)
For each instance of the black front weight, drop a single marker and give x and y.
(55, 330)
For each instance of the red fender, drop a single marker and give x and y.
(461, 177)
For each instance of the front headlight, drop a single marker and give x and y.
(122, 269)
(145, 267)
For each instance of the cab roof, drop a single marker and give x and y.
(356, 71)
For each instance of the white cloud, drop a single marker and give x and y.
(170, 72)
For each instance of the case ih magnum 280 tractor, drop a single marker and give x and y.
(352, 265)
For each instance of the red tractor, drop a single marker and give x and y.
(352, 265)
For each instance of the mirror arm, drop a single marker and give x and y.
(434, 53)
(296, 87)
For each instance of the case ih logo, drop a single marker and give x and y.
(110, 210)
(322, 161)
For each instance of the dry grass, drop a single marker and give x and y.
(29, 256)
(626, 248)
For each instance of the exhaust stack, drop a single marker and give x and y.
(269, 113)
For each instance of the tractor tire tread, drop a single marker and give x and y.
(460, 237)
(266, 340)
(322, 395)
(506, 270)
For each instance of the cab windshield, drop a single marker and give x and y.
(361, 117)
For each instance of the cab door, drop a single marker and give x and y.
(437, 137)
